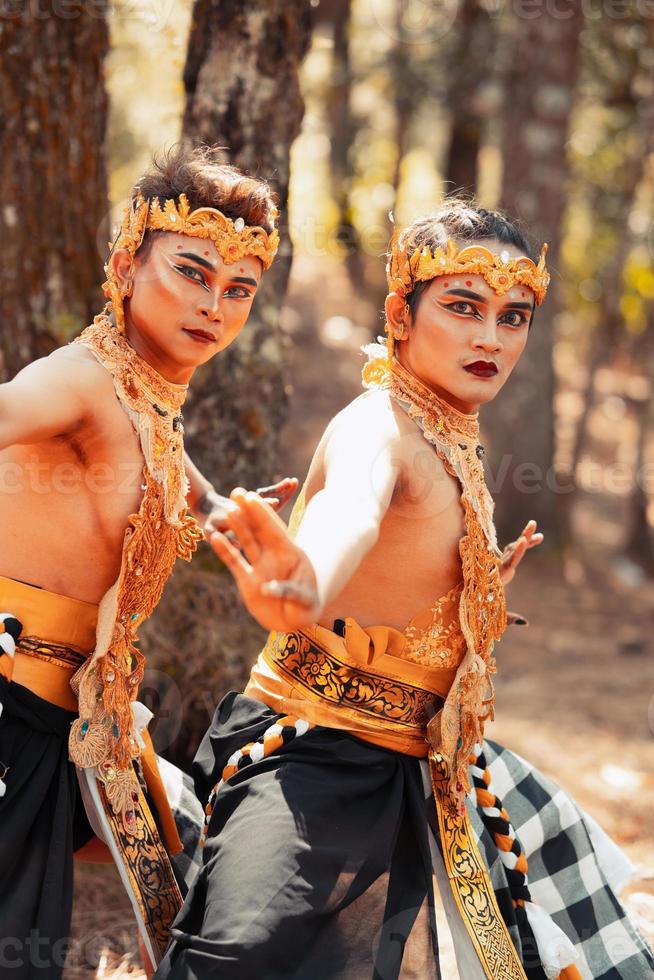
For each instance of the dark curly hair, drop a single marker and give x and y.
(201, 173)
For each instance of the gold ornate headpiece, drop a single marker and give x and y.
(407, 266)
(233, 239)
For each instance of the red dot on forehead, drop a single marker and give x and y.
(468, 282)
(179, 246)
(206, 253)
(446, 284)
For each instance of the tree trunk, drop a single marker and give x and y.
(612, 208)
(537, 112)
(640, 540)
(639, 537)
(53, 222)
(342, 129)
(475, 31)
(242, 91)
(404, 97)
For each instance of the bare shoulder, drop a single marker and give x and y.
(364, 426)
(372, 416)
(82, 371)
(375, 424)
(58, 372)
(78, 359)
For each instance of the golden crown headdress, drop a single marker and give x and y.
(233, 238)
(407, 266)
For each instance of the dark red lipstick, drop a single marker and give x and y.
(482, 369)
(201, 336)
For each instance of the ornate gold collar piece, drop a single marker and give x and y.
(105, 736)
(448, 421)
(459, 725)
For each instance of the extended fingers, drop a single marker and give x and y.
(516, 619)
(230, 555)
(239, 523)
(266, 526)
(217, 520)
(281, 489)
(519, 548)
(533, 537)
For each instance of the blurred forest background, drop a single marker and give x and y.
(352, 108)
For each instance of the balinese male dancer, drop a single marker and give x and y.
(91, 444)
(354, 767)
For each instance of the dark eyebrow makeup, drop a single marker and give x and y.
(196, 258)
(246, 280)
(468, 293)
(481, 299)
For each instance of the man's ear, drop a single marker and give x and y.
(121, 263)
(397, 316)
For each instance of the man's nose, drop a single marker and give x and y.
(487, 336)
(211, 308)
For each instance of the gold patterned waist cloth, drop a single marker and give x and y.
(357, 682)
(58, 633)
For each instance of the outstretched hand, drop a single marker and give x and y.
(212, 509)
(275, 578)
(279, 494)
(516, 550)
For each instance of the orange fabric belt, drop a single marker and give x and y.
(58, 635)
(357, 683)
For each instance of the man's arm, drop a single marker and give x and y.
(210, 509)
(286, 584)
(47, 398)
(198, 496)
(342, 521)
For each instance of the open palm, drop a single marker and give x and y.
(275, 578)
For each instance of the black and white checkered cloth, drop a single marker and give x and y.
(575, 869)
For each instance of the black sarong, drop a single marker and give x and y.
(317, 864)
(42, 822)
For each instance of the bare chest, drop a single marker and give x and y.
(416, 557)
(67, 503)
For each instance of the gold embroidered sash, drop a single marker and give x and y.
(355, 682)
(103, 736)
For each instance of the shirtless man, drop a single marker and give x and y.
(75, 431)
(337, 786)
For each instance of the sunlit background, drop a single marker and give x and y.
(386, 83)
